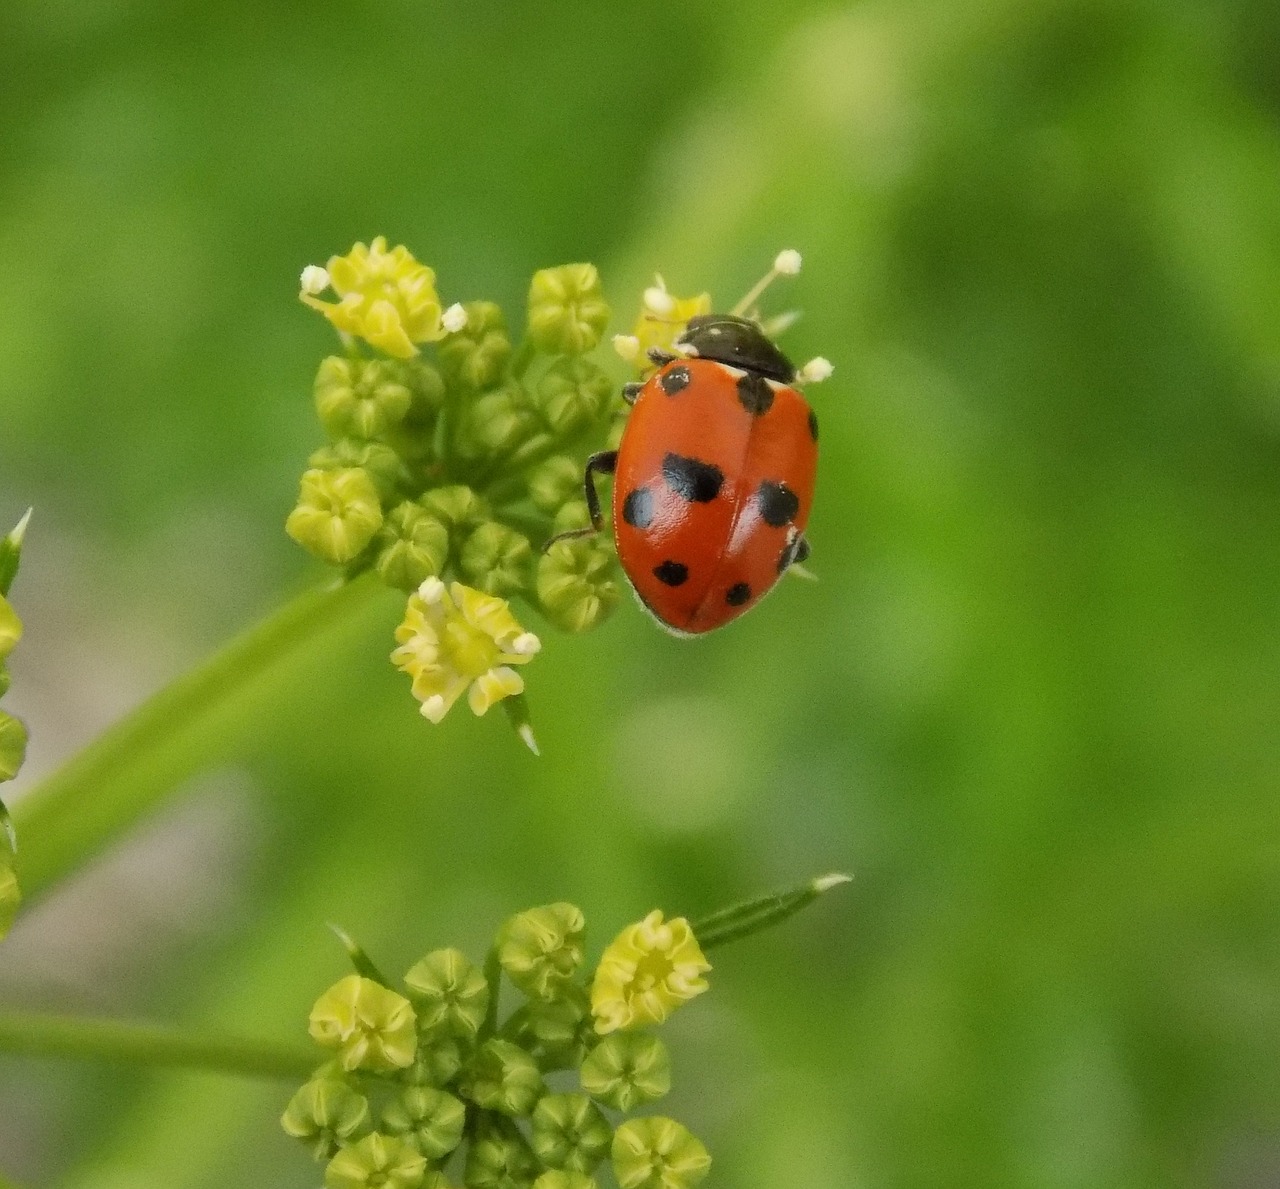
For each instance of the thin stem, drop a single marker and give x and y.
(37, 1035)
(130, 768)
(492, 976)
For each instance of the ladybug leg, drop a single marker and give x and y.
(602, 463)
(631, 391)
(660, 357)
(795, 550)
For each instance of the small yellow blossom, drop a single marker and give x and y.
(647, 971)
(371, 1026)
(459, 639)
(662, 320)
(385, 297)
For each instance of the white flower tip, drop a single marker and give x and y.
(658, 301)
(454, 318)
(817, 370)
(824, 883)
(525, 731)
(314, 279)
(787, 262)
(431, 591)
(627, 346)
(433, 709)
(525, 644)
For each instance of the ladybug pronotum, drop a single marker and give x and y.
(714, 475)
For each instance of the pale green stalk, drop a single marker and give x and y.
(130, 768)
(33, 1034)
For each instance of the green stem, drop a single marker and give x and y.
(37, 1035)
(492, 976)
(129, 769)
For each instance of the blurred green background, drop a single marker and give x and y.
(1032, 703)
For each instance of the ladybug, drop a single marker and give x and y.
(714, 474)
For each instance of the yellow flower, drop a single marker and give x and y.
(372, 1027)
(386, 298)
(647, 971)
(459, 638)
(662, 320)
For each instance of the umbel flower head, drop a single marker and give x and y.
(385, 297)
(475, 1091)
(461, 640)
(647, 971)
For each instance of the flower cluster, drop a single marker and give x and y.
(13, 734)
(456, 454)
(428, 1083)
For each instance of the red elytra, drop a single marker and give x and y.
(713, 478)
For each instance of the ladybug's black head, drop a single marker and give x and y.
(739, 342)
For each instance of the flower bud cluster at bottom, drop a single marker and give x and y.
(426, 1086)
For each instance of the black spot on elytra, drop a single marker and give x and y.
(737, 594)
(755, 394)
(637, 508)
(778, 503)
(673, 573)
(691, 479)
(813, 424)
(674, 380)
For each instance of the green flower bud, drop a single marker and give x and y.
(382, 464)
(572, 515)
(378, 1162)
(497, 423)
(496, 559)
(371, 1026)
(567, 313)
(324, 1113)
(13, 745)
(476, 356)
(572, 395)
(657, 1153)
(455, 507)
(627, 1069)
(540, 949)
(360, 398)
(503, 1077)
(563, 1178)
(499, 1157)
(430, 1119)
(337, 513)
(555, 482)
(411, 545)
(576, 584)
(438, 1061)
(570, 1132)
(450, 994)
(555, 1032)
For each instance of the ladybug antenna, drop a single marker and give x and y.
(785, 264)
